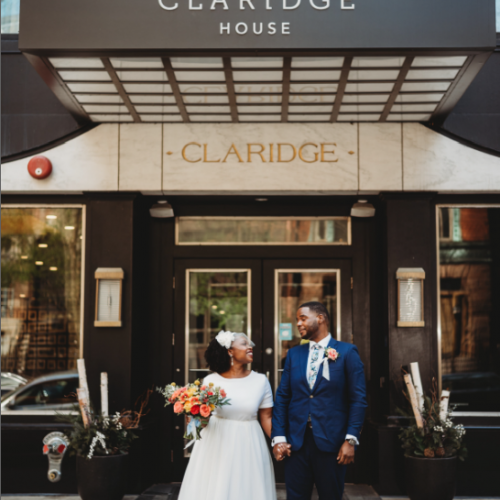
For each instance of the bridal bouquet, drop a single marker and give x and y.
(195, 401)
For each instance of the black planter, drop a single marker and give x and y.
(430, 478)
(102, 478)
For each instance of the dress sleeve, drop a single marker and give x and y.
(267, 397)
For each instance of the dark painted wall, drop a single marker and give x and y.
(32, 116)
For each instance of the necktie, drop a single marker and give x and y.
(313, 367)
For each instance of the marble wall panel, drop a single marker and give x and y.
(380, 160)
(433, 162)
(227, 158)
(140, 159)
(88, 162)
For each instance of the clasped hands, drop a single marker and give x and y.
(282, 450)
(345, 456)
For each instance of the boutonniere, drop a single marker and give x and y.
(331, 354)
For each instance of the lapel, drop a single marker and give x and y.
(304, 355)
(319, 378)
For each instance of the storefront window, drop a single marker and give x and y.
(10, 16)
(469, 270)
(262, 231)
(41, 289)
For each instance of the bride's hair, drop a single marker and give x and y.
(217, 356)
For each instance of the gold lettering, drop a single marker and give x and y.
(205, 156)
(315, 154)
(233, 151)
(323, 152)
(271, 159)
(279, 152)
(184, 151)
(250, 152)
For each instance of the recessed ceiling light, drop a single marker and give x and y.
(22, 295)
(43, 245)
(53, 268)
(39, 263)
(51, 216)
(260, 199)
(69, 228)
(24, 257)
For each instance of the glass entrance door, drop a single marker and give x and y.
(286, 285)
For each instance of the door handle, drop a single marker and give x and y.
(267, 375)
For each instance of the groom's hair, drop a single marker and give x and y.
(318, 308)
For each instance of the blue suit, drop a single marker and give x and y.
(337, 407)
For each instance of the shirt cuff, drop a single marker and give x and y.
(277, 440)
(350, 436)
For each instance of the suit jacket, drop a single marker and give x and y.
(337, 406)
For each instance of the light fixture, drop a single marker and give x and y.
(260, 199)
(69, 228)
(51, 216)
(24, 257)
(39, 263)
(22, 295)
(162, 210)
(362, 209)
(53, 268)
(108, 302)
(410, 296)
(43, 245)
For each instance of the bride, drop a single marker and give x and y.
(232, 461)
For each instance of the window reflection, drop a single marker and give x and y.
(41, 278)
(469, 250)
(295, 288)
(217, 300)
(10, 16)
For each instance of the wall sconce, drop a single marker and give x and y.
(362, 209)
(410, 296)
(161, 210)
(108, 300)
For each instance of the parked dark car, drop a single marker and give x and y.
(52, 392)
(11, 381)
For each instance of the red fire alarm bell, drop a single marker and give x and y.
(39, 167)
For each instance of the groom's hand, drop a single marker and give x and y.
(346, 454)
(281, 450)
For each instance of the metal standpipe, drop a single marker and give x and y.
(55, 445)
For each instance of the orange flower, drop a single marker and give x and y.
(195, 410)
(178, 407)
(205, 411)
(223, 393)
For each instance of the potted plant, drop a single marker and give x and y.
(101, 442)
(432, 445)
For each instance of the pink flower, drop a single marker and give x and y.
(205, 411)
(223, 393)
(178, 407)
(332, 354)
(203, 387)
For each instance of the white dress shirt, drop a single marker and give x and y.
(324, 344)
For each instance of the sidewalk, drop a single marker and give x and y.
(170, 492)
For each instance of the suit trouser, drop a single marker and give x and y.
(309, 466)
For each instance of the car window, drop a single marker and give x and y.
(53, 392)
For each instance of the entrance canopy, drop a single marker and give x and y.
(258, 60)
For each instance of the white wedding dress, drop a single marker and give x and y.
(232, 461)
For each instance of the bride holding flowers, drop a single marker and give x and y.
(231, 460)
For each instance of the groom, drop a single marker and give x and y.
(318, 414)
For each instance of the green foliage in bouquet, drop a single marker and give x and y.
(439, 438)
(106, 435)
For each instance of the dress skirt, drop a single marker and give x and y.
(230, 462)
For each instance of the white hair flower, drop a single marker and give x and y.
(225, 339)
